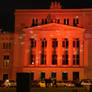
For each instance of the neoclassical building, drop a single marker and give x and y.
(52, 42)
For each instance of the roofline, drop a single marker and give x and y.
(51, 10)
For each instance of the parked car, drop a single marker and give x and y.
(60, 84)
(1, 83)
(86, 82)
(42, 84)
(9, 83)
(69, 84)
(35, 83)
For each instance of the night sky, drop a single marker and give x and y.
(7, 8)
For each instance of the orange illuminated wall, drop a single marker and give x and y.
(32, 26)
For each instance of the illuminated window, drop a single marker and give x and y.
(54, 59)
(64, 76)
(32, 42)
(54, 43)
(6, 61)
(64, 21)
(32, 59)
(42, 75)
(53, 74)
(32, 75)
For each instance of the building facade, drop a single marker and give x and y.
(50, 43)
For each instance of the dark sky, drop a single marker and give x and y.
(7, 8)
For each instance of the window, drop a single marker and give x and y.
(77, 20)
(74, 22)
(65, 43)
(75, 76)
(64, 21)
(43, 59)
(6, 61)
(32, 59)
(36, 22)
(32, 75)
(67, 21)
(76, 59)
(65, 59)
(53, 74)
(42, 21)
(5, 77)
(54, 43)
(33, 22)
(33, 43)
(76, 43)
(58, 21)
(64, 76)
(43, 43)
(45, 21)
(54, 59)
(42, 76)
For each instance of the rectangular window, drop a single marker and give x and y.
(33, 42)
(75, 76)
(67, 21)
(43, 43)
(53, 74)
(54, 59)
(77, 20)
(65, 59)
(76, 59)
(64, 21)
(5, 77)
(65, 43)
(43, 59)
(6, 61)
(64, 76)
(74, 22)
(42, 76)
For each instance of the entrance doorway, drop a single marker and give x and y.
(5, 76)
(75, 76)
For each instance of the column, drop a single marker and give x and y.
(70, 52)
(49, 52)
(81, 52)
(38, 52)
(59, 52)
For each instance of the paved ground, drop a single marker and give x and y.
(46, 90)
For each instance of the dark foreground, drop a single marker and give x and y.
(46, 90)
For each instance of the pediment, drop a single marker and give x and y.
(55, 26)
